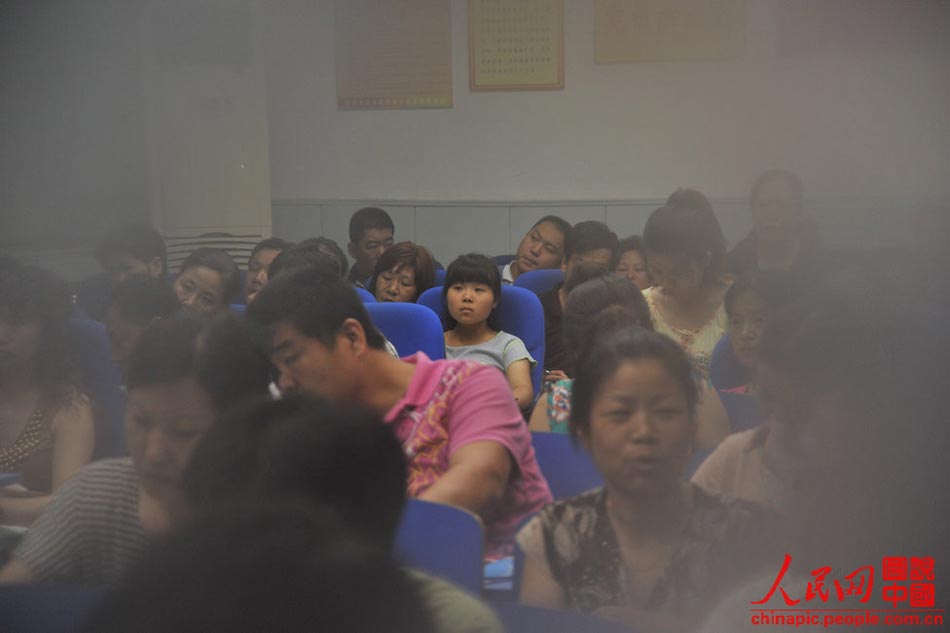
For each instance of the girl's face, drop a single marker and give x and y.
(677, 276)
(641, 433)
(200, 290)
(398, 284)
(469, 302)
(18, 344)
(747, 317)
(634, 267)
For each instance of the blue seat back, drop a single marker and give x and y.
(410, 327)
(439, 277)
(538, 281)
(519, 313)
(46, 608)
(520, 618)
(238, 309)
(99, 378)
(568, 469)
(365, 295)
(743, 410)
(502, 260)
(725, 372)
(443, 541)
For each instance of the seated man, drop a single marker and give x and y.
(542, 247)
(459, 426)
(126, 251)
(261, 256)
(337, 458)
(135, 304)
(371, 233)
(589, 241)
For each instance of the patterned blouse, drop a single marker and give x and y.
(698, 343)
(725, 540)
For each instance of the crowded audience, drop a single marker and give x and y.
(272, 449)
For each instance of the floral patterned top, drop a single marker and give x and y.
(698, 343)
(558, 404)
(724, 542)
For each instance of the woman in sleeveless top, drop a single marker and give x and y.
(46, 424)
(686, 256)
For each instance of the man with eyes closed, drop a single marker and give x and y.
(542, 247)
(180, 376)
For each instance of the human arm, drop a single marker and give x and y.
(518, 374)
(539, 417)
(72, 431)
(538, 586)
(712, 421)
(476, 478)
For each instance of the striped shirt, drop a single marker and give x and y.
(90, 532)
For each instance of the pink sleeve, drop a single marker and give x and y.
(483, 408)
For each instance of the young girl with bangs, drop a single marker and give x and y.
(470, 296)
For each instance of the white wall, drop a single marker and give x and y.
(875, 126)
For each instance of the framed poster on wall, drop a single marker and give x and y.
(393, 55)
(516, 44)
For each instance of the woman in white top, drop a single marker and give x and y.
(686, 254)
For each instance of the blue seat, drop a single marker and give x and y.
(410, 327)
(99, 378)
(365, 295)
(519, 313)
(568, 468)
(442, 540)
(538, 281)
(743, 410)
(502, 260)
(46, 608)
(725, 372)
(92, 296)
(520, 618)
(238, 309)
(440, 277)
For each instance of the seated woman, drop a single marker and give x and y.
(686, 256)
(46, 422)
(648, 547)
(606, 302)
(207, 281)
(403, 272)
(632, 262)
(180, 376)
(471, 293)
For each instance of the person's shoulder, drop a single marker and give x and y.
(452, 609)
(733, 513)
(571, 509)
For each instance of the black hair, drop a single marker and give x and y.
(563, 226)
(687, 226)
(315, 301)
(136, 240)
(281, 567)
(585, 271)
(611, 350)
(141, 299)
(792, 180)
(593, 298)
(632, 243)
(219, 261)
(368, 218)
(30, 294)
(590, 236)
(306, 254)
(272, 244)
(772, 287)
(343, 458)
(471, 268)
(216, 352)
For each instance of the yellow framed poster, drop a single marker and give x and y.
(516, 44)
